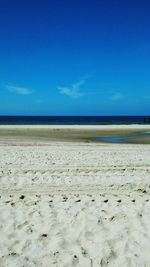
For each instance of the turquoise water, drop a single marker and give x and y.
(112, 139)
(121, 139)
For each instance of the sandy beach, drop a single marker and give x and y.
(68, 202)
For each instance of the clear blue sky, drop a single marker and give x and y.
(74, 57)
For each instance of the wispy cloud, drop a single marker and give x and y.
(117, 96)
(74, 90)
(147, 97)
(18, 90)
(38, 101)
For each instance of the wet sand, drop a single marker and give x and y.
(71, 133)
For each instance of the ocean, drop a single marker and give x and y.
(72, 120)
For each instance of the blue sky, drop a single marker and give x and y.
(74, 57)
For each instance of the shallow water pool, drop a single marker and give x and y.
(126, 139)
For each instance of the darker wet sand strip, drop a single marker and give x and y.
(71, 134)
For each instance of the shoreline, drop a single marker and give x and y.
(75, 126)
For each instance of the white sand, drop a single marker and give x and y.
(101, 127)
(75, 204)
